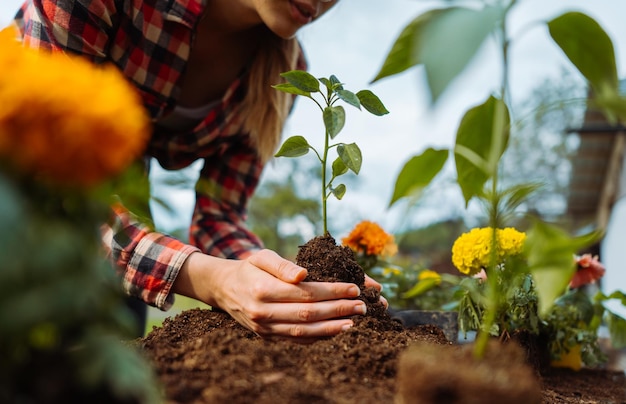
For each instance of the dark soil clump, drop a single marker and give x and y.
(326, 261)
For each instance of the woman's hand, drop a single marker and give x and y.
(265, 293)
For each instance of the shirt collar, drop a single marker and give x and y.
(186, 12)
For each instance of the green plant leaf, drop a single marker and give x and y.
(334, 120)
(372, 103)
(351, 156)
(480, 141)
(589, 48)
(518, 194)
(417, 173)
(339, 191)
(339, 167)
(291, 89)
(302, 80)
(295, 146)
(420, 287)
(349, 97)
(613, 106)
(405, 51)
(550, 252)
(444, 41)
(452, 40)
(617, 330)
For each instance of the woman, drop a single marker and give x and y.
(204, 69)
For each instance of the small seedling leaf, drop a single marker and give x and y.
(339, 167)
(372, 103)
(349, 97)
(334, 120)
(295, 146)
(302, 80)
(351, 156)
(340, 191)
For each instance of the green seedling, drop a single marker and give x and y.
(334, 116)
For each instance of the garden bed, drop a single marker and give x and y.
(202, 356)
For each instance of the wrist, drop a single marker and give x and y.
(199, 277)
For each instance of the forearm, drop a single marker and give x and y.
(201, 277)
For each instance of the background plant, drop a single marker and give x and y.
(62, 316)
(334, 116)
(483, 133)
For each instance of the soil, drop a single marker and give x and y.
(204, 356)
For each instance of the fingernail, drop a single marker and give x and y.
(298, 274)
(360, 309)
(346, 327)
(354, 290)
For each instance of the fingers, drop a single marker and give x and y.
(299, 313)
(308, 322)
(277, 266)
(307, 333)
(370, 282)
(306, 292)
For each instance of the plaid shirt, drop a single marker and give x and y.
(150, 42)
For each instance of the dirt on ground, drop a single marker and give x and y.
(204, 356)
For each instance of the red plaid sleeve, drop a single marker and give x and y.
(148, 262)
(222, 192)
(81, 26)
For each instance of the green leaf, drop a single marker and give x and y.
(339, 167)
(349, 97)
(339, 192)
(334, 120)
(372, 103)
(420, 287)
(452, 40)
(480, 141)
(351, 156)
(550, 252)
(518, 194)
(589, 48)
(417, 173)
(335, 82)
(302, 80)
(444, 41)
(617, 330)
(291, 89)
(295, 146)
(613, 106)
(406, 49)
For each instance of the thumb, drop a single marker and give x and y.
(277, 266)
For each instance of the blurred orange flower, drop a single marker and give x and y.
(369, 238)
(65, 120)
(589, 270)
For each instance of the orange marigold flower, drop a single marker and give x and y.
(65, 120)
(369, 238)
(589, 270)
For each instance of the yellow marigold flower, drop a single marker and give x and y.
(65, 120)
(387, 271)
(471, 252)
(429, 274)
(369, 238)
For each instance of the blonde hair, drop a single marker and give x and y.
(265, 109)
